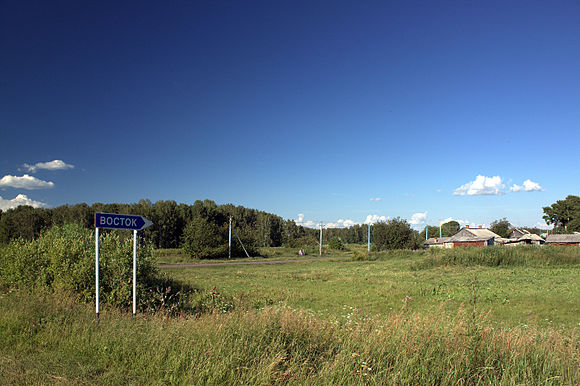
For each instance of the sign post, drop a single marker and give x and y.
(118, 221)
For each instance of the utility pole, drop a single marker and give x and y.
(426, 232)
(440, 234)
(230, 239)
(369, 238)
(320, 245)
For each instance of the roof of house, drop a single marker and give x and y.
(519, 231)
(573, 238)
(531, 236)
(468, 239)
(473, 234)
(501, 240)
(436, 240)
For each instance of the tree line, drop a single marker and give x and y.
(201, 229)
(173, 223)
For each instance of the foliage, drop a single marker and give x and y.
(564, 214)
(499, 256)
(393, 234)
(302, 242)
(450, 228)
(63, 260)
(204, 239)
(446, 230)
(501, 227)
(336, 243)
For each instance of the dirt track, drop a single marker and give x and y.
(193, 265)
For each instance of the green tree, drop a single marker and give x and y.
(430, 231)
(501, 227)
(564, 214)
(450, 228)
(204, 239)
(336, 243)
(394, 234)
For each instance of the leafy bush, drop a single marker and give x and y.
(302, 242)
(393, 234)
(204, 239)
(336, 243)
(63, 260)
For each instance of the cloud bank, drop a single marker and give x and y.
(418, 218)
(340, 223)
(19, 200)
(51, 165)
(483, 185)
(25, 182)
(528, 186)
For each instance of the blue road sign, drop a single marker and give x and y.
(121, 221)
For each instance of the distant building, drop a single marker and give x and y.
(436, 242)
(473, 237)
(517, 233)
(526, 239)
(567, 240)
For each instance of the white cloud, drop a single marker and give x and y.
(51, 165)
(482, 185)
(24, 182)
(300, 218)
(375, 218)
(448, 219)
(418, 218)
(309, 224)
(348, 223)
(543, 225)
(340, 223)
(19, 200)
(528, 186)
(377, 199)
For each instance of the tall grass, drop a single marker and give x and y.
(495, 256)
(47, 339)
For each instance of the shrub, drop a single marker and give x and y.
(393, 234)
(336, 243)
(302, 242)
(204, 239)
(63, 260)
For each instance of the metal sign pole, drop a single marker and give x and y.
(134, 272)
(118, 221)
(97, 272)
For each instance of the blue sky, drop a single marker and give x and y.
(330, 110)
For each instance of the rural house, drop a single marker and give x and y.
(436, 242)
(517, 233)
(473, 237)
(566, 240)
(523, 237)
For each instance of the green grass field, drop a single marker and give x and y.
(515, 296)
(391, 318)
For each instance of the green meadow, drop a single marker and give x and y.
(479, 316)
(518, 295)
